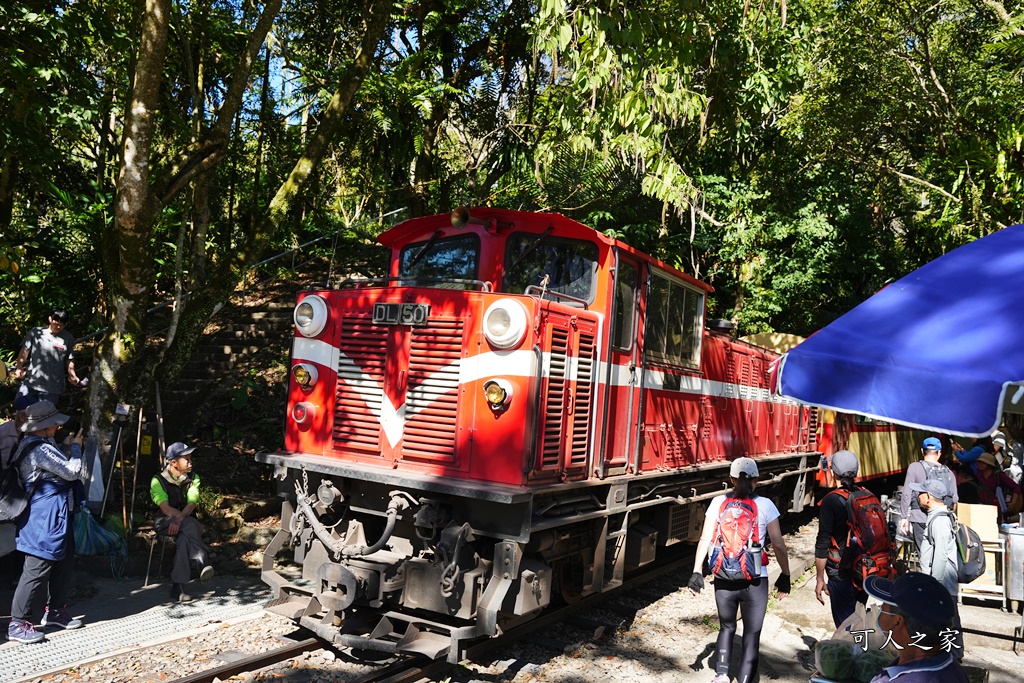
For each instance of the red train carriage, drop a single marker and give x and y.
(523, 408)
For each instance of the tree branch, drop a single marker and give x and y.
(1004, 16)
(919, 181)
(331, 122)
(206, 154)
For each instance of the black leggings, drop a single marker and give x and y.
(729, 595)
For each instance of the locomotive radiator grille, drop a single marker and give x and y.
(584, 397)
(360, 390)
(435, 358)
(554, 404)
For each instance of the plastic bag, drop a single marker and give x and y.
(95, 473)
(862, 629)
(852, 626)
(91, 538)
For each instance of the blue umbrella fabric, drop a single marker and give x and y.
(939, 349)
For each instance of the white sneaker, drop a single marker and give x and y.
(721, 678)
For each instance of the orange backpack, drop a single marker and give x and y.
(735, 553)
(867, 539)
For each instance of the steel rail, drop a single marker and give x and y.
(431, 669)
(412, 669)
(254, 662)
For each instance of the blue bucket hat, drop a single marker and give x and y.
(932, 487)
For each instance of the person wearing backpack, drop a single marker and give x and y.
(832, 543)
(912, 517)
(938, 551)
(45, 529)
(735, 529)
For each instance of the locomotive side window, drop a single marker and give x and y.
(455, 258)
(674, 315)
(625, 299)
(570, 264)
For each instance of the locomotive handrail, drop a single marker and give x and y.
(541, 292)
(359, 281)
(681, 500)
(322, 238)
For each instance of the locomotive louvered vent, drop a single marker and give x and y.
(361, 363)
(679, 522)
(554, 406)
(435, 355)
(584, 396)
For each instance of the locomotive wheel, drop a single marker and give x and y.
(570, 576)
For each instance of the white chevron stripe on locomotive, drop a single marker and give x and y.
(519, 363)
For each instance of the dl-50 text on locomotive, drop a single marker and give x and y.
(523, 410)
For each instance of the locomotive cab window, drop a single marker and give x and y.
(570, 265)
(674, 321)
(450, 258)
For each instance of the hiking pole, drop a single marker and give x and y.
(138, 450)
(159, 424)
(118, 426)
(124, 503)
(135, 471)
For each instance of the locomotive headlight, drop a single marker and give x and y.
(303, 412)
(311, 316)
(498, 393)
(305, 375)
(505, 323)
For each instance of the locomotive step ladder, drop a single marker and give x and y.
(610, 553)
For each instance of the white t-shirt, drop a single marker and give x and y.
(766, 514)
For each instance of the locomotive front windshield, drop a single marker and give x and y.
(571, 265)
(452, 258)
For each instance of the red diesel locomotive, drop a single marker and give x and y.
(524, 408)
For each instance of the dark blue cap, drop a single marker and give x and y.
(918, 595)
(22, 401)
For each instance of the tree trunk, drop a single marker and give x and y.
(128, 261)
(222, 280)
(123, 371)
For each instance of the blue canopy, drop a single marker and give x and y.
(939, 349)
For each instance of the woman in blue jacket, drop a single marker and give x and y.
(44, 530)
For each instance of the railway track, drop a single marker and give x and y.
(411, 669)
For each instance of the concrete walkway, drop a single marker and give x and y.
(121, 615)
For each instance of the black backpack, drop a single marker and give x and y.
(944, 475)
(970, 555)
(14, 497)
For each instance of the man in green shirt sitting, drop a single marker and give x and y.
(176, 492)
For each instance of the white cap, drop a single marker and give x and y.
(844, 464)
(743, 466)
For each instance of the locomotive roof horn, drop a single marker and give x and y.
(461, 218)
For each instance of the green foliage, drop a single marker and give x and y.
(56, 57)
(796, 155)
